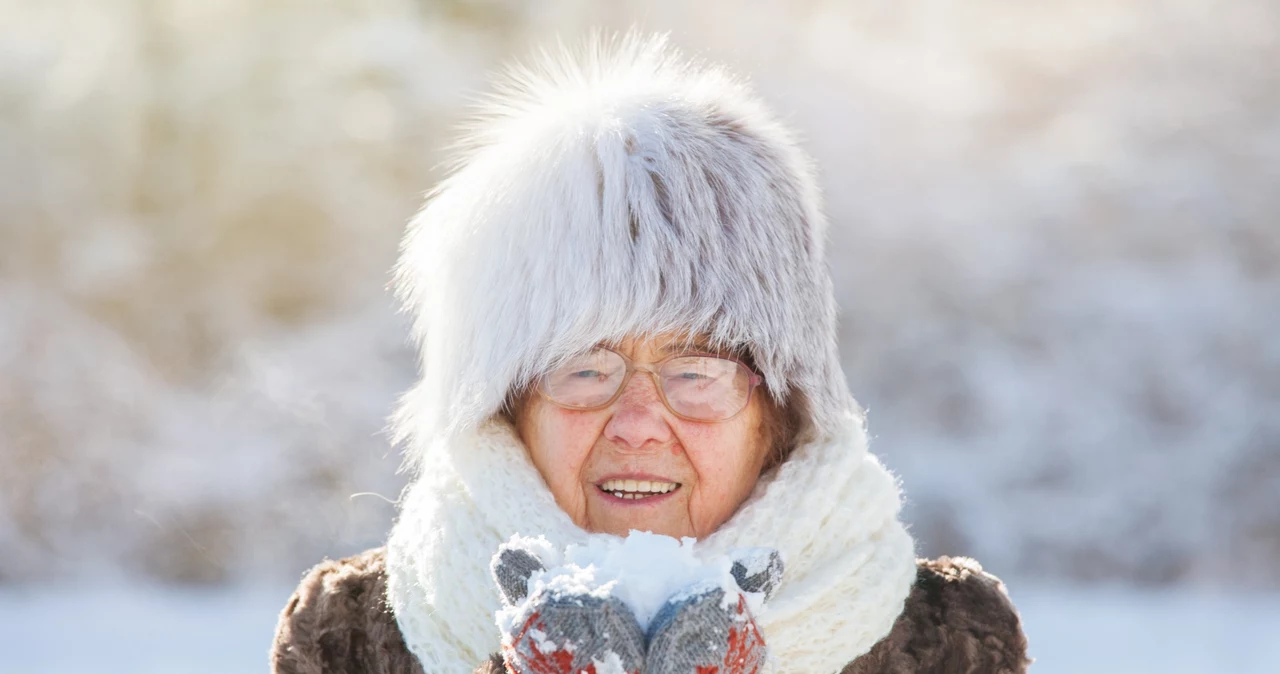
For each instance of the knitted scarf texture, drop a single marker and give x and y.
(831, 510)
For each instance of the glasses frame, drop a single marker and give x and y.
(652, 369)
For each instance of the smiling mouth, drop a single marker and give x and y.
(636, 490)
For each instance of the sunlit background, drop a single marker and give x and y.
(1054, 239)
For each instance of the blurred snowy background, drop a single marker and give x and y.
(1054, 238)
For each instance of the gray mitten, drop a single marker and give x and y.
(699, 632)
(560, 632)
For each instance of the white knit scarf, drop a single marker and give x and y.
(831, 509)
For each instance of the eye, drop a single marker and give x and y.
(587, 374)
(693, 375)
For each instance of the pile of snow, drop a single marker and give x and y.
(643, 570)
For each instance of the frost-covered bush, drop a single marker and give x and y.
(1053, 238)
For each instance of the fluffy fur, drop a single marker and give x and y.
(831, 511)
(615, 191)
(957, 618)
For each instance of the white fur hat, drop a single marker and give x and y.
(617, 190)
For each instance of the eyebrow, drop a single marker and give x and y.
(679, 345)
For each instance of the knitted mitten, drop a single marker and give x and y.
(562, 632)
(699, 632)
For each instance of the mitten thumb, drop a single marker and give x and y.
(757, 570)
(511, 568)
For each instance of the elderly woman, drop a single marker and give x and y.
(626, 323)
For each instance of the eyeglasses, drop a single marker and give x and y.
(696, 387)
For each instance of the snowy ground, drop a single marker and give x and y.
(143, 630)
(1127, 631)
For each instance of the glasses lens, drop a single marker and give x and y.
(588, 380)
(705, 387)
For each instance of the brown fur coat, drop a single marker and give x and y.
(957, 620)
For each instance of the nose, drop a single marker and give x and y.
(638, 415)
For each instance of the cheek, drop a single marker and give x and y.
(725, 458)
(560, 442)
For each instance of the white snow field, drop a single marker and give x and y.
(141, 630)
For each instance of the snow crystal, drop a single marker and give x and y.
(544, 644)
(611, 664)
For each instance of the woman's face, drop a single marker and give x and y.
(713, 466)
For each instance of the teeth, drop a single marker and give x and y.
(636, 488)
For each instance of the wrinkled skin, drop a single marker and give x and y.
(715, 464)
